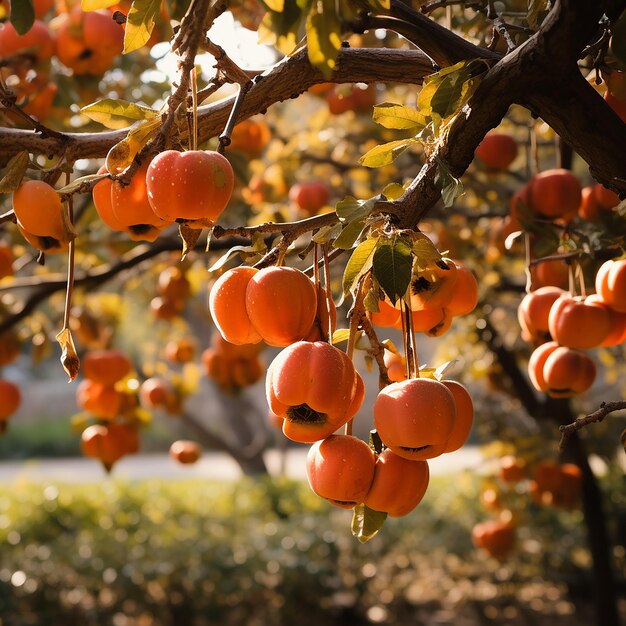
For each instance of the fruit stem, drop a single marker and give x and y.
(329, 293)
(528, 259)
(581, 279)
(193, 135)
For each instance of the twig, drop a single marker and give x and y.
(567, 430)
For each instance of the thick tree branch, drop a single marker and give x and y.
(288, 79)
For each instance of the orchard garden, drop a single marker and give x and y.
(379, 231)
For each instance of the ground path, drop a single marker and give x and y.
(213, 465)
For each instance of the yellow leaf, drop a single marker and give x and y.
(69, 358)
(117, 114)
(94, 5)
(140, 23)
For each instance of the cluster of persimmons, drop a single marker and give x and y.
(314, 388)
(547, 484)
(559, 324)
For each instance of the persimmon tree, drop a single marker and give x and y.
(360, 160)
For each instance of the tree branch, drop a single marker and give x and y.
(288, 79)
(567, 430)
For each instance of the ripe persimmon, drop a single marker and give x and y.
(250, 137)
(131, 208)
(550, 273)
(11, 398)
(101, 194)
(38, 209)
(281, 303)
(611, 284)
(512, 469)
(465, 294)
(497, 151)
(185, 451)
(606, 198)
(88, 42)
(157, 393)
(399, 484)
(314, 387)
(559, 371)
(181, 350)
(464, 415)
(578, 323)
(433, 288)
(6, 261)
(193, 185)
(227, 305)
(9, 347)
(589, 208)
(106, 366)
(396, 366)
(103, 401)
(554, 193)
(415, 417)
(534, 310)
(109, 442)
(494, 536)
(618, 322)
(309, 196)
(37, 42)
(340, 468)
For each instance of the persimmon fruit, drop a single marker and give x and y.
(464, 415)
(578, 323)
(88, 42)
(192, 185)
(340, 469)
(611, 284)
(185, 451)
(497, 151)
(309, 196)
(415, 417)
(495, 537)
(554, 193)
(11, 398)
(106, 366)
(398, 485)
(37, 42)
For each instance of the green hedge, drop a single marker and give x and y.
(269, 553)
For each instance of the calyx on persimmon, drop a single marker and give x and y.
(315, 388)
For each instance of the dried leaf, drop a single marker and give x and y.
(190, 238)
(14, 172)
(69, 357)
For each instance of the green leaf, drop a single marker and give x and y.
(14, 172)
(385, 153)
(22, 15)
(350, 208)
(359, 263)
(444, 93)
(117, 114)
(392, 265)
(535, 9)
(94, 5)
(327, 233)
(618, 38)
(349, 234)
(451, 187)
(366, 522)
(398, 116)
(323, 31)
(425, 252)
(140, 23)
